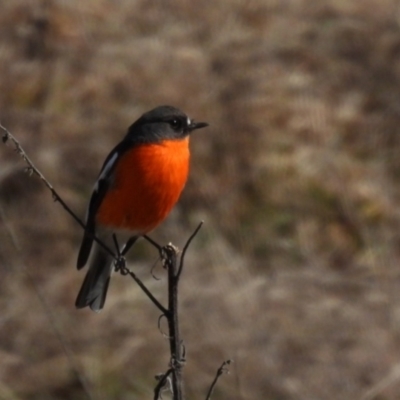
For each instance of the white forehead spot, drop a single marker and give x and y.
(189, 122)
(106, 170)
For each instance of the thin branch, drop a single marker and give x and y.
(153, 242)
(120, 266)
(163, 382)
(56, 197)
(153, 267)
(221, 370)
(192, 236)
(132, 240)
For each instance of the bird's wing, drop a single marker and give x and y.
(104, 181)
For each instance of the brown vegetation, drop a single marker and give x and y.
(295, 274)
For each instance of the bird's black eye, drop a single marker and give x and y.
(176, 124)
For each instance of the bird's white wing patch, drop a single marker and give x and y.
(106, 170)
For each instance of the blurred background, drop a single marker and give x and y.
(295, 274)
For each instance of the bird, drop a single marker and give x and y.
(138, 185)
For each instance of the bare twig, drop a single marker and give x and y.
(221, 370)
(121, 266)
(187, 246)
(164, 383)
(56, 197)
(153, 242)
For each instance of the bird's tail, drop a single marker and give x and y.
(94, 288)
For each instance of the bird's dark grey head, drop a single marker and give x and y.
(162, 123)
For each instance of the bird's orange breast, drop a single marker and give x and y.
(147, 182)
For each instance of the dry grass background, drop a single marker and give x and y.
(295, 274)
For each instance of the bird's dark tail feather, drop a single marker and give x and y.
(94, 288)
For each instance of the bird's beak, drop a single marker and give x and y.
(197, 125)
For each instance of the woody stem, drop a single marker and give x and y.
(171, 259)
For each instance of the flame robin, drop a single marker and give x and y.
(139, 183)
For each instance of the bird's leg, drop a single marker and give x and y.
(131, 241)
(120, 262)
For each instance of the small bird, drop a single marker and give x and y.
(140, 182)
